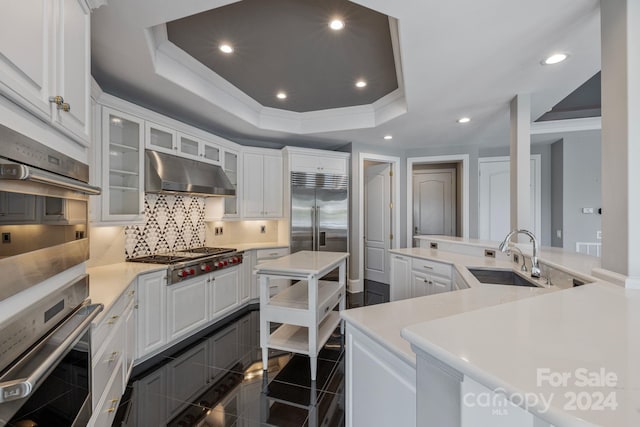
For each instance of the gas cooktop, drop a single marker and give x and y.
(181, 256)
(193, 262)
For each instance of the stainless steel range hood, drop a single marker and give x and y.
(165, 173)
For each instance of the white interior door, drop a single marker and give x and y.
(377, 222)
(494, 215)
(434, 202)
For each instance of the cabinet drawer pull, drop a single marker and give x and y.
(113, 357)
(113, 319)
(427, 267)
(131, 293)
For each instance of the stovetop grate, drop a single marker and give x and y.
(182, 256)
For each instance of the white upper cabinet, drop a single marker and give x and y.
(325, 163)
(262, 185)
(45, 62)
(160, 138)
(198, 149)
(73, 67)
(123, 167)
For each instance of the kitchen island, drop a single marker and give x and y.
(304, 309)
(479, 342)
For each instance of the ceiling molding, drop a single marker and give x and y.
(568, 125)
(175, 65)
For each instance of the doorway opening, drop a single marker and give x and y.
(437, 196)
(379, 230)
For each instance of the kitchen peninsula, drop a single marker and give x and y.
(494, 341)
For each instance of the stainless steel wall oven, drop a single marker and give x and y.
(45, 345)
(43, 212)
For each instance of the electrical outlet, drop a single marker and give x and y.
(221, 230)
(490, 253)
(263, 229)
(516, 258)
(216, 231)
(6, 237)
(433, 245)
(79, 235)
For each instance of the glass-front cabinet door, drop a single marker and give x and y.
(123, 157)
(198, 149)
(231, 207)
(160, 138)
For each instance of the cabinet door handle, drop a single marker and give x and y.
(113, 319)
(427, 267)
(113, 357)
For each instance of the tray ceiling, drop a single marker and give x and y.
(288, 46)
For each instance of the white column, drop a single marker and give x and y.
(620, 26)
(520, 164)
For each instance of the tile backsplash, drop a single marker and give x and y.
(172, 223)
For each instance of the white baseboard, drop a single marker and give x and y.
(355, 286)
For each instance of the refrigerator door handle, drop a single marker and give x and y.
(317, 230)
(313, 228)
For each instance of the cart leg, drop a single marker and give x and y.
(313, 360)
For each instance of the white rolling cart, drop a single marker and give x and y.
(305, 309)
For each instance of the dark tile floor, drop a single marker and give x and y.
(218, 381)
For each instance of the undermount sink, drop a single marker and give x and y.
(500, 277)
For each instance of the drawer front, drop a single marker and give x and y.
(108, 357)
(333, 301)
(108, 323)
(262, 254)
(430, 267)
(106, 412)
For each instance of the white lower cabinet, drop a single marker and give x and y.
(111, 362)
(417, 277)
(150, 318)
(380, 387)
(423, 284)
(105, 412)
(400, 287)
(223, 291)
(186, 307)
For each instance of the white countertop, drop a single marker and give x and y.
(108, 282)
(572, 262)
(383, 322)
(302, 263)
(252, 246)
(592, 327)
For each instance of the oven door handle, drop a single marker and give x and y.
(27, 376)
(17, 171)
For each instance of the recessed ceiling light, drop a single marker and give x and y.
(226, 48)
(361, 83)
(388, 137)
(555, 58)
(281, 95)
(336, 24)
(464, 120)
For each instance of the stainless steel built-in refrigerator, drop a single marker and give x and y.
(319, 212)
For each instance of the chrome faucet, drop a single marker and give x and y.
(504, 247)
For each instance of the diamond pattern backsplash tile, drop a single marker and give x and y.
(172, 223)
